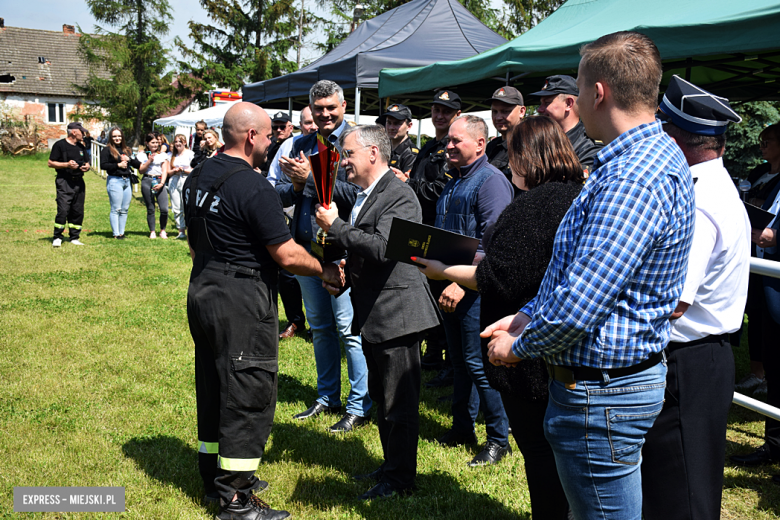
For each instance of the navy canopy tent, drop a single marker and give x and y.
(415, 34)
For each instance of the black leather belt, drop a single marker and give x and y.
(720, 338)
(570, 375)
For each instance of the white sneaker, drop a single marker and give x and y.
(760, 389)
(77, 242)
(57, 242)
(182, 236)
(152, 235)
(163, 234)
(748, 383)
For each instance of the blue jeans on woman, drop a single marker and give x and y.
(120, 193)
(471, 390)
(597, 430)
(330, 318)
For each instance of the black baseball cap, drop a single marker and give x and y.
(281, 117)
(554, 85)
(76, 126)
(508, 95)
(398, 111)
(695, 110)
(447, 98)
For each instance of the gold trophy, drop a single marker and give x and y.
(324, 168)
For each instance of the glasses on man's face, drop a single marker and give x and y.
(345, 153)
(765, 144)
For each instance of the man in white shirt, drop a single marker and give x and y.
(307, 127)
(682, 468)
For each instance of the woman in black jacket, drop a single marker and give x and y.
(518, 249)
(116, 161)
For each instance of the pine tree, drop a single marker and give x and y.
(522, 15)
(249, 41)
(127, 81)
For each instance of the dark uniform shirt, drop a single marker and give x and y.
(428, 177)
(498, 156)
(245, 215)
(63, 151)
(271, 155)
(584, 147)
(404, 155)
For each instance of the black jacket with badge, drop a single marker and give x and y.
(404, 155)
(428, 177)
(498, 156)
(382, 288)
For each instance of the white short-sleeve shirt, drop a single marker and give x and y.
(719, 263)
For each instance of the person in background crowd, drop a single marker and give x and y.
(69, 159)
(116, 160)
(763, 179)
(427, 179)
(470, 203)
(684, 450)
(330, 318)
(103, 139)
(398, 122)
(764, 303)
(209, 148)
(558, 100)
(507, 109)
(176, 169)
(289, 288)
(197, 138)
(517, 251)
(601, 317)
(152, 188)
(283, 129)
(88, 145)
(382, 288)
(165, 147)
(236, 251)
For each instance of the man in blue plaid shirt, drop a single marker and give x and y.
(601, 317)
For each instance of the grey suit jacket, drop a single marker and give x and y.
(390, 299)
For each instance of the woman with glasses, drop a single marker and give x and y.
(116, 161)
(178, 167)
(152, 187)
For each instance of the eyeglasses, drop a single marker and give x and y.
(346, 153)
(764, 144)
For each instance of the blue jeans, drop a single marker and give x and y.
(596, 431)
(471, 389)
(330, 318)
(120, 193)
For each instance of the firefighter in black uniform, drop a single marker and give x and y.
(558, 100)
(427, 179)
(237, 236)
(429, 173)
(507, 109)
(398, 122)
(282, 128)
(69, 157)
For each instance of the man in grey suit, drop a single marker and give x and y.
(381, 292)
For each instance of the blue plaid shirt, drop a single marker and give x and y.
(619, 260)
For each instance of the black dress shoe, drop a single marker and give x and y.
(375, 475)
(491, 454)
(384, 490)
(250, 509)
(453, 438)
(348, 422)
(757, 458)
(445, 377)
(316, 409)
(213, 496)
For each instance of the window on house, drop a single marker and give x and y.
(56, 112)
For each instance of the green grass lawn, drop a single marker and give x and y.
(97, 388)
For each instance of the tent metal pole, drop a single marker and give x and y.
(419, 132)
(357, 105)
(289, 107)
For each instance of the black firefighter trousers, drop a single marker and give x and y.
(233, 322)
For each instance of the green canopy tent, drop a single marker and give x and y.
(730, 48)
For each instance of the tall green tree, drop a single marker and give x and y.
(742, 150)
(249, 41)
(127, 78)
(522, 15)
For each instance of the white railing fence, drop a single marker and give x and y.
(764, 268)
